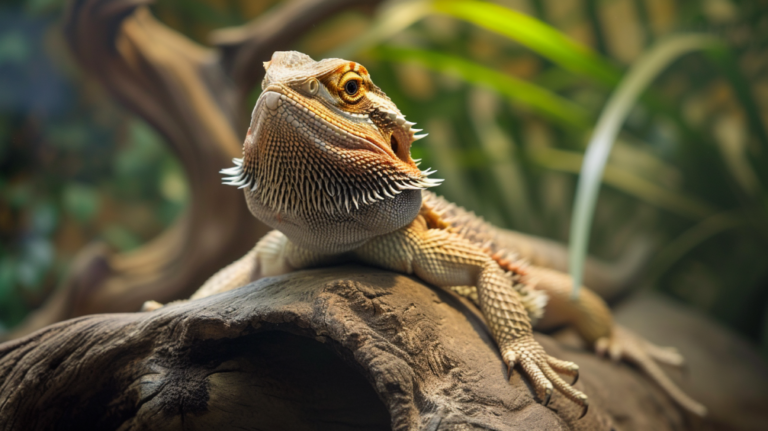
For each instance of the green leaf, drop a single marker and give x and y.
(627, 182)
(81, 201)
(516, 90)
(44, 218)
(18, 195)
(392, 19)
(535, 35)
(713, 225)
(173, 185)
(15, 48)
(34, 263)
(742, 88)
(7, 278)
(38, 7)
(608, 125)
(12, 308)
(69, 136)
(146, 138)
(144, 149)
(121, 238)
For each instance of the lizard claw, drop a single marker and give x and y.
(586, 407)
(548, 397)
(542, 370)
(626, 345)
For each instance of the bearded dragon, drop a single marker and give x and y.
(326, 163)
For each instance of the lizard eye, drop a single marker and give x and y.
(351, 87)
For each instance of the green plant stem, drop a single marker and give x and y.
(608, 125)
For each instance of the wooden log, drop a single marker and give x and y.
(338, 348)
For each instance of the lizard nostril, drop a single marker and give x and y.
(393, 143)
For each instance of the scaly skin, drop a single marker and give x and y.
(327, 164)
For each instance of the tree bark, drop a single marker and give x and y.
(336, 348)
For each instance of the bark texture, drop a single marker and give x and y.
(339, 348)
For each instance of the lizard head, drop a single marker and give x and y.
(324, 138)
(341, 94)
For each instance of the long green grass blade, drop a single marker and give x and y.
(389, 21)
(742, 89)
(694, 237)
(627, 182)
(516, 90)
(608, 125)
(535, 35)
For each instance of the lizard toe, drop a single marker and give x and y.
(542, 371)
(646, 355)
(564, 367)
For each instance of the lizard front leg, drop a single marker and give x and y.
(590, 317)
(445, 259)
(273, 255)
(266, 258)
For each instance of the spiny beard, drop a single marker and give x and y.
(296, 179)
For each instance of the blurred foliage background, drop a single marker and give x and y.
(509, 91)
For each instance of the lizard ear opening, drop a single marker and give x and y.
(393, 143)
(401, 150)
